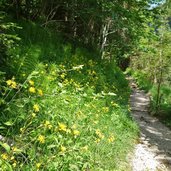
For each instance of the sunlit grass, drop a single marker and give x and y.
(64, 109)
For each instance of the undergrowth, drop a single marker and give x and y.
(61, 108)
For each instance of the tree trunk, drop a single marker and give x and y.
(105, 31)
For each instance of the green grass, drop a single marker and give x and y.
(68, 111)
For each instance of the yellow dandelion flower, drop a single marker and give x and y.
(4, 156)
(31, 82)
(36, 108)
(40, 92)
(63, 149)
(32, 90)
(62, 127)
(76, 132)
(41, 139)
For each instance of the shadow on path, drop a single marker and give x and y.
(155, 135)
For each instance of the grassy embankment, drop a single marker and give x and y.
(64, 109)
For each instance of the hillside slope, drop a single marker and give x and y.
(62, 108)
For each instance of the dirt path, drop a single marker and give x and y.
(153, 153)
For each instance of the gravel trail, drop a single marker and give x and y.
(153, 152)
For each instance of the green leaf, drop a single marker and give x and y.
(5, 146)
(8, 123)
(51, 146)
(2, 127)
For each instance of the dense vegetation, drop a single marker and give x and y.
(64, 98)
(151, 66)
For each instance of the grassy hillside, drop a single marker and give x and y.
(62, 108)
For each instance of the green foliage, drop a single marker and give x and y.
(142, 80)
(63, 109)
(165, 98)
(151, 62)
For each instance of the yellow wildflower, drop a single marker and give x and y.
(31, 82)
(85, 148)
(99, 134)
(40, 92)
(33, 115)
(36, 108)
(14, 149)
(47, 125)
(105, 109)
(97, 140)
(22, 130)
(4, 156)
(38, 165)
(63, 75)
(14, 164)
(9, 82)
(14, 84)
(76, 132)
(12, 158)
(111, 139)
(41, 139)
(62, 127)
(63, 149)
(32, 90)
